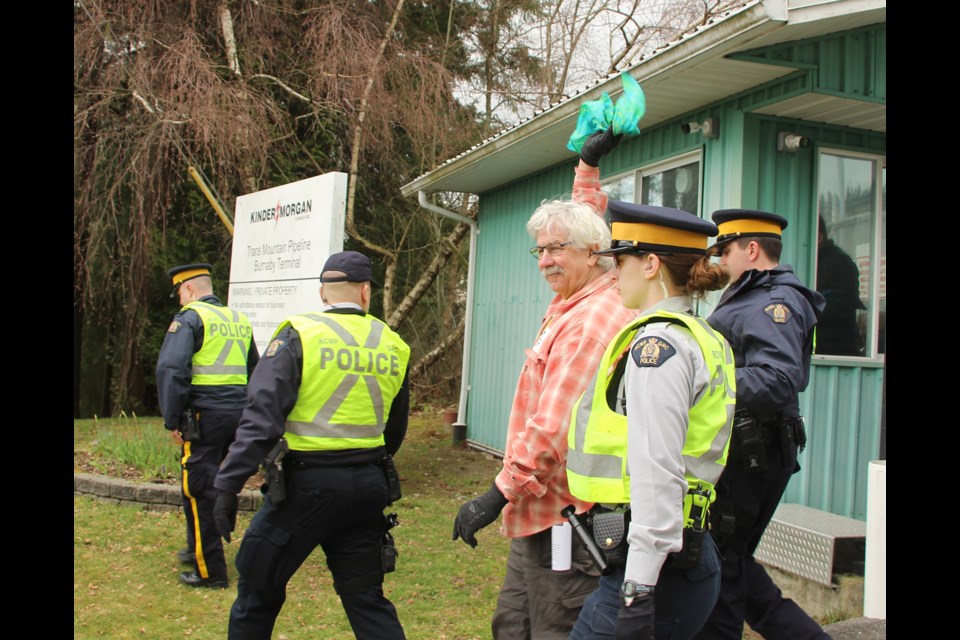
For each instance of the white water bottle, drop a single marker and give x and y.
(561, 540)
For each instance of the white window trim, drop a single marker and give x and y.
(659, 167)
(880, 163)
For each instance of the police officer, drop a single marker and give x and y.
(649, 436)
(205, 360)
(331, 389)
(769, 317)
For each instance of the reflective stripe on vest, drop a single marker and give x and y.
(597, 439)
(353, 367)
(227, 335)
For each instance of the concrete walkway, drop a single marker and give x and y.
(858, 629)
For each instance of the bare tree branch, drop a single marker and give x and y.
(431, 357)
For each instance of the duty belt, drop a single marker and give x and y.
(301, 463)
(784, 432)
(770, 431)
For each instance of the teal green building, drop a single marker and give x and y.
(777, 105)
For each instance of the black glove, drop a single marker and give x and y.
(225, 514)
(599, 144)
(477, 514)
(636, 621)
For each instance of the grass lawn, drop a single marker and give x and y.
(125, 572)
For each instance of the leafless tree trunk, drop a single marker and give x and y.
(228, 87)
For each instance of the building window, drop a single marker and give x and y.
(674, 184)
(851, 254)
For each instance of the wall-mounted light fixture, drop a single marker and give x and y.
(709, 127)
(790, 142)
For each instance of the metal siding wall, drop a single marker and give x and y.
(879, 64)
(852, 62)
(855, 62)
(841, 409)
(786, 185)
(843, 403)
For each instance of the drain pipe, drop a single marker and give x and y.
(459, 427)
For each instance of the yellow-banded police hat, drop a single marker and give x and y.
(739, 223)
(644, 228)
(185, 272)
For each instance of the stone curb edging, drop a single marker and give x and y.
(152, 497)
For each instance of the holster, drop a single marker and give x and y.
(800, 434)
(276, 481)
(393, 478)
(388, 551)
(189, 426)
(609, 530)
(747, 444)
(694, 530)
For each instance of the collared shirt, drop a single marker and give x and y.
(658, 402)
(341, 305)
(566, 353)
(586, 188)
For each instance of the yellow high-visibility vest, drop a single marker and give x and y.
(227, 335)
(597, 439)
(353, 367)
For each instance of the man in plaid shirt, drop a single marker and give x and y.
(531, 489)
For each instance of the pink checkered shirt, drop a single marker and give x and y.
(567, 351)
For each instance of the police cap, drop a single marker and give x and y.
(347, 266)
(185, 272)
(739, 223)
(644, 228)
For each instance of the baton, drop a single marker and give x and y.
(585, 538)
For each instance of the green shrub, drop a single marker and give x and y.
(149, 450)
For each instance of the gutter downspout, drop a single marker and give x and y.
(468, 321)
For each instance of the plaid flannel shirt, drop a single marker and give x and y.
(574, 334)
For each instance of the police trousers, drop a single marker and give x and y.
(199, 463)
(536, 602)
(682, 601)
(747, 592)
(339, 509)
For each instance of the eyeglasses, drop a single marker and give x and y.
(554, 249)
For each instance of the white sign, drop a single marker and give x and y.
(281, 239)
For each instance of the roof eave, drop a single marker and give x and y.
(714, 40)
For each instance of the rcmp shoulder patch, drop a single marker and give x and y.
(652, 351)
(174, 326)
(778, 312)
(273, 348)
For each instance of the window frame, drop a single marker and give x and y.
(877, 237)
(662, 166)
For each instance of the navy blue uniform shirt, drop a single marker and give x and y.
(768, 317)
(273, 390)
(175, 393)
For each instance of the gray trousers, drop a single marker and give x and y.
(535, 602)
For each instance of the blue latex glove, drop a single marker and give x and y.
(636, 621)
(477, 514)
